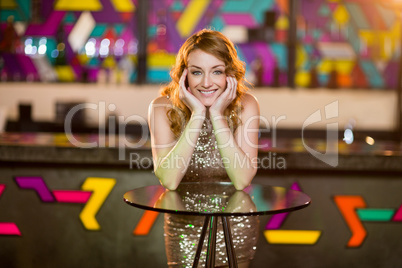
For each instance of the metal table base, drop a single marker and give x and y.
(212, 222)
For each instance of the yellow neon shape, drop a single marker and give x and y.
(344, 66)
(78, 5)
(161, 59)
(100, 188)
(123, 5)
(302, 78)
(83, 58)
(8, 4)
(65, 73)
(305, 237)
(109, 62)
(301, 56)
(191, 16)
(325, 65)
(282, 23)
(341, 15)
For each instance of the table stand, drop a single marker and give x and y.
(212, 222)
(274, 200)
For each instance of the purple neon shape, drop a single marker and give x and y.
(268, 60)
(242, 19)
(49, 28)
(173, 34)
(276, 220)
(107, 14)
(211, 12)
(37, 184)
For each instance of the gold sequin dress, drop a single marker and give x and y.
(182, 232)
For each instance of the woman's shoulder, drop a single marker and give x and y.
(159, 106)
(249, 100)
(161, 100)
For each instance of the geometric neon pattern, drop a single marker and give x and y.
(38, 185)
(354, 211)
(347, 206)
(71, 196)
(398, 215)
(114, 21)
(147, 220)
(371, 31)
(93, 194)
(302, 237)
(172, 22)
(100, 187)
(8, 228)
(275, 236)
(191, 16)
(74, 5)
(2, 187)
(375, 214)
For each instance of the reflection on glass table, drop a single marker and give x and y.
(214, 200)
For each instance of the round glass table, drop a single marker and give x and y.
(217, 200)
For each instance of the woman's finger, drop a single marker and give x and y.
(230, 88)
(234, 92)
(183, 79)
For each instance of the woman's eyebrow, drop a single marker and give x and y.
(220, 65)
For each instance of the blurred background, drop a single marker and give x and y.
(327, 74)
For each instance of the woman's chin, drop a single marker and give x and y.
(207, 103)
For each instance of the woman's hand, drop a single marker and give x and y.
(185, 95)
(226, 98)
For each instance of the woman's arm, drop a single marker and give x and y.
(172, 157)
(239, 151)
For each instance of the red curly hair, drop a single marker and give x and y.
(218, 45)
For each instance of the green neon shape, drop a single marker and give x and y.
(375, 214)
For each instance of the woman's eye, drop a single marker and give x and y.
(196, 73)
(218, 72)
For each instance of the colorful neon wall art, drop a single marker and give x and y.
(8, 228)
(93, 194)
(95, 191)
(354, 211)
(325, 28)
(147, 220)
(275, 236)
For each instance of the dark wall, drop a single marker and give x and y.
(53, 235)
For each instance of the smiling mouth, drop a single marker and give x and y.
(207, 92)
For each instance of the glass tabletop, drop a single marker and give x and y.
(218, 199)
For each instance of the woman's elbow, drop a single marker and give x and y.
(245, 181)
(170, 186)
(167, 183)
(241, 184)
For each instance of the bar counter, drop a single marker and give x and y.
(131, 151)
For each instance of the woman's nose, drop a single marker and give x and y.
(207, 82)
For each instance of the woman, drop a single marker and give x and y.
(204, 128)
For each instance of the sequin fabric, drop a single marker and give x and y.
(182, 232)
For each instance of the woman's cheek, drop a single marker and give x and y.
(191, 82)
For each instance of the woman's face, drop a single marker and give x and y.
(206, 76)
